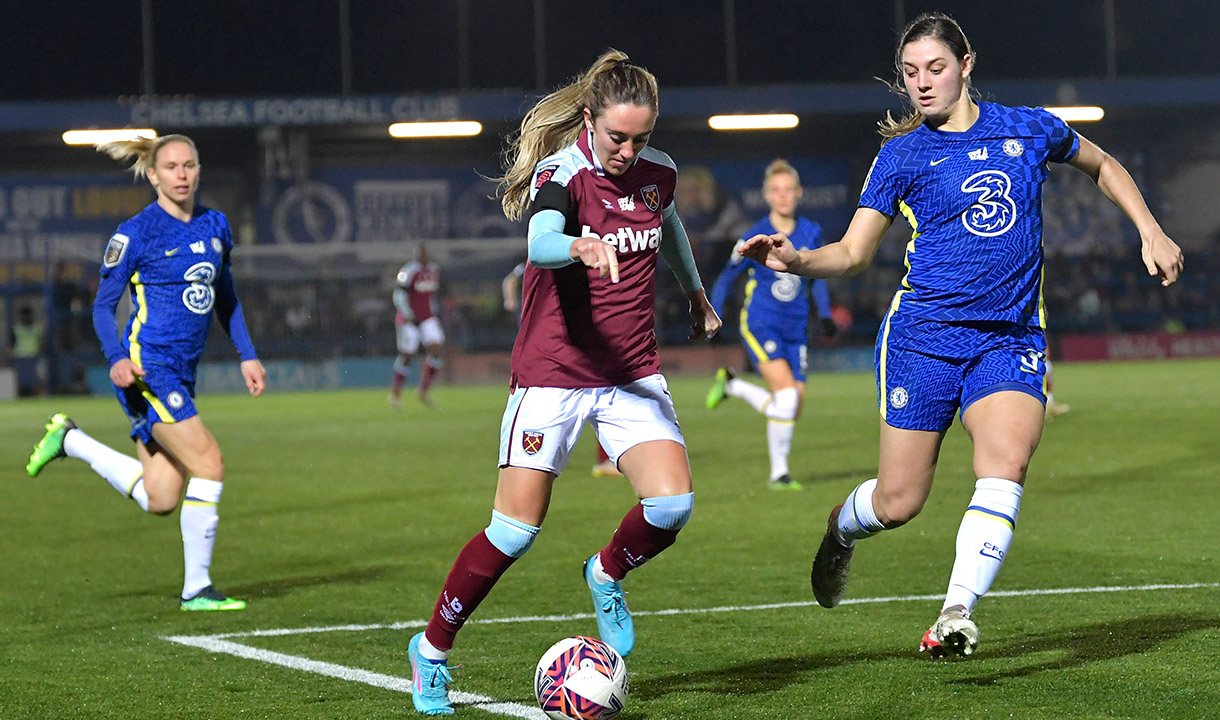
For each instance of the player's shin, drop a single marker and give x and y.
(432, 365)
(198, 520)
(781, 426)
(123, 472)
(983, 540)
(646, 530)
(755, 396)
(475, 572)
(398, 376)
(858, 518)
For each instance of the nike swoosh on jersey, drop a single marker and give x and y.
(171, 252)
(934, 163)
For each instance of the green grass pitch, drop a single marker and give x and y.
(338, 512)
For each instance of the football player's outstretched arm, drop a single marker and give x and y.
(1162, 256)
(847, 257)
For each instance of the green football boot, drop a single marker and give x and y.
(51, 446)
(717, 394)
(784, 482)
(210, 599)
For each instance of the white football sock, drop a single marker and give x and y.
(198, 520)
(983, 540)
(779, 445)
(599, 572)
(754, 395)
(858, 518)
(428, 651)
(781, 424)
(123, 472)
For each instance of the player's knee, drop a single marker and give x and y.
(1012, 464)
(668, 512)
(163, 497)
(784, 404)
(895, 508)
(435, 361)
(511, 537)
(210, 465)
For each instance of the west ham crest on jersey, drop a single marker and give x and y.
(531, 442)
(651, 196)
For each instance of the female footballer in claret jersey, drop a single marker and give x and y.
(174, 258)
(965, 331)
(600, 208)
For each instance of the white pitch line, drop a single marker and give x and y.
(218, 644)
(411, 624)
(342, 672)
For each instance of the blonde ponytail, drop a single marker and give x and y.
(556, 121)
(144, 150)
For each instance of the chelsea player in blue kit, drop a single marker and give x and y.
(965, 329)
(775, 321)
(174, 256)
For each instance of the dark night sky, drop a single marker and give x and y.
(55, 50)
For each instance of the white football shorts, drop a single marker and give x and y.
(428, 332)
(541, 424)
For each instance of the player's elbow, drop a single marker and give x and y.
(854, 264)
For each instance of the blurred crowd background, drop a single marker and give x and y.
(325, 206)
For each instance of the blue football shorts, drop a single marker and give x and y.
(927, 371)
(773, 341)
(161, 395)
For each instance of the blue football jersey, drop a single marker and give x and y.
(178, 273)
(974, 202)
(774, 297)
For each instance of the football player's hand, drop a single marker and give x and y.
(598, 254)
(705, 323)
(255, 376)
(124, 373)
(775, 251)
(1162, 257)
(829, 329)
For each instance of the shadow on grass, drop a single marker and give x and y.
(1093, 643)
(757, 677)
(1084, 645)
(826, 477)
(285, 586)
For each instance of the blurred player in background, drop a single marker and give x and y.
(600, 207)
(511, 288)
(775, 322)
(416, 322)
(1053, 409)
(966, 329)
(174, 255)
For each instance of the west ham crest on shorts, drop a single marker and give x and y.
(651, 196)
(531, 442)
